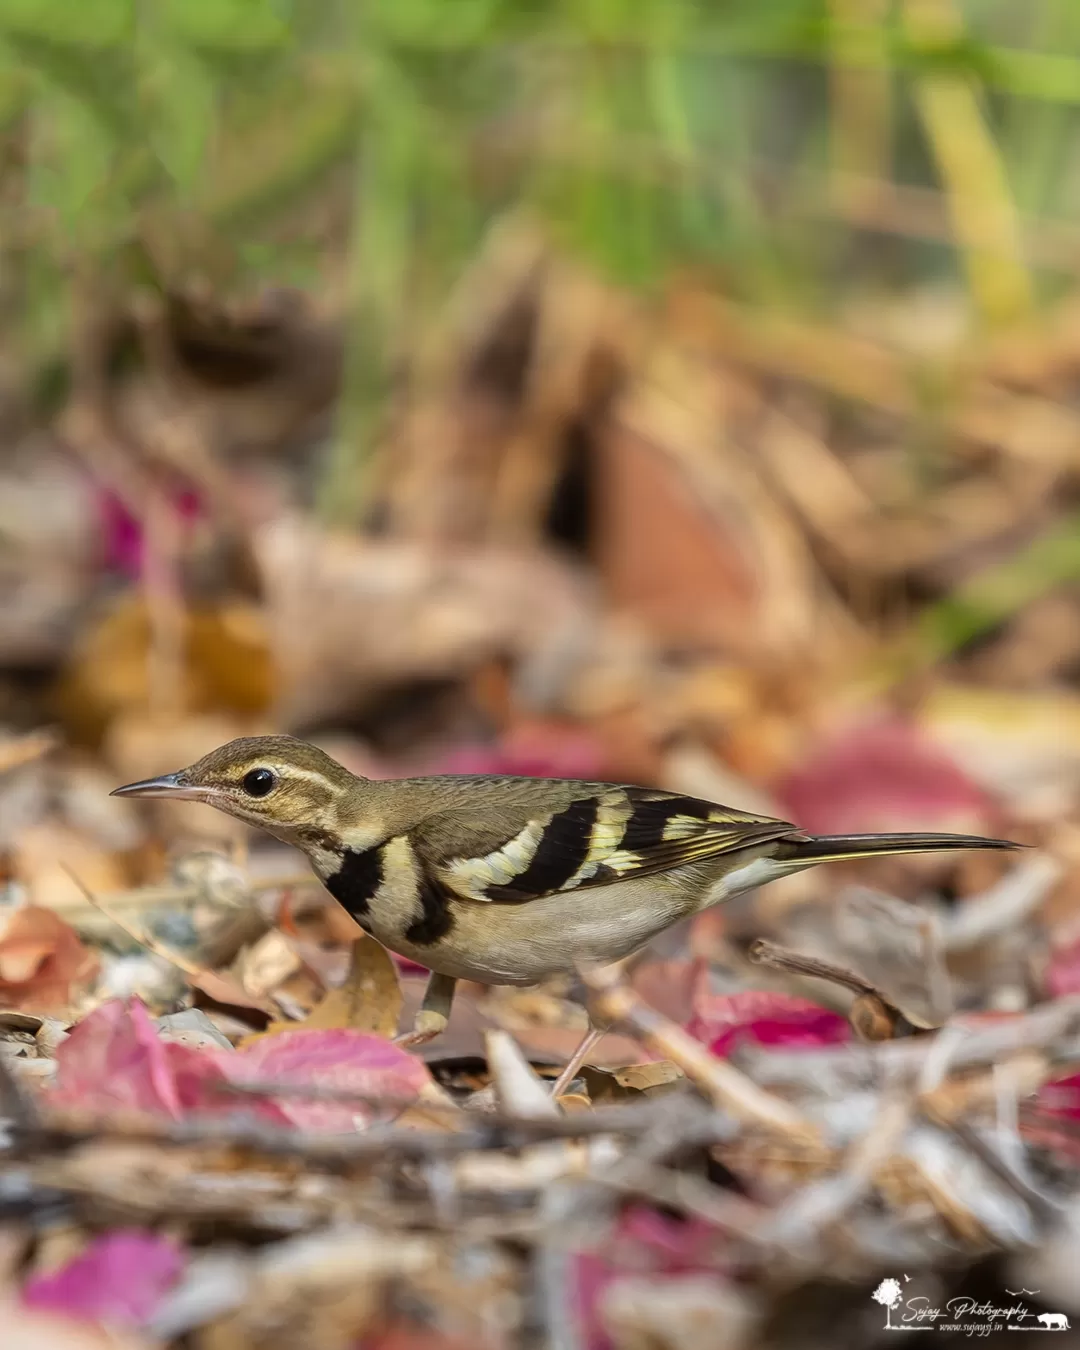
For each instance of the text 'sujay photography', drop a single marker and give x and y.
(539, 674)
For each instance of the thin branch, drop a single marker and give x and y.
(720, 1081)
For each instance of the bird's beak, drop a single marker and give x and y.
(172, 785)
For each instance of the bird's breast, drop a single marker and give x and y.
(390, 896)
(384, 891)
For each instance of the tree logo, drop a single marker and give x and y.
(888, 1295)
(962, 1313)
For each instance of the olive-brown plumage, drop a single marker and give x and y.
(506, 880)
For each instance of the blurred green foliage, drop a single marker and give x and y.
(142, 137)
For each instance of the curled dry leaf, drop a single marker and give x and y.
(42, 961)
(266, 964)
(632, 1082)
(120, 1279)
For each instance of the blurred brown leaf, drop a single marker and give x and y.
(20, 750)
(631, 1083)
(369, 1000)
(222, 666)
(42, 961)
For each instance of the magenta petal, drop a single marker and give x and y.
(407, 967)
(120, 1280)
(124, 545)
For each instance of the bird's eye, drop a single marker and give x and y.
(258, 782)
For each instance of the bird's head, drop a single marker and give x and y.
(285, 786)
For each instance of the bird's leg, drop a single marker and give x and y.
(577, 1059)
(434, 1012)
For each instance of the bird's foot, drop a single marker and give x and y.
(426, 1027)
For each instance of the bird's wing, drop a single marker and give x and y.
(575, 836)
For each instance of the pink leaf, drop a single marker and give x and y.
(532, 751)
(721, 1021)
(1061, 1098)
(883, 775)
(114, 1060)
(120, 1279)
(645, 1243)
(1063, 972)
(339, 1059)
(407, 967)
(123, 534)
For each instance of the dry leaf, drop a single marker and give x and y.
(46, 853)
(369, 1000)
(636, 1080)
(223, 667)
(22, 750)
(115, 1059)
(222, 989)
(42, 960)
(266, 964)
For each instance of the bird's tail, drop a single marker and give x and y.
(825, 848)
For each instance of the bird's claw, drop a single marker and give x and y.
(425, 1028)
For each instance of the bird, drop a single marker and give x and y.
(507, 880)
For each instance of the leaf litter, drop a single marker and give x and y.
(211, 1140)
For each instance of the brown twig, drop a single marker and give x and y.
(1053, 1028)
(721, 1082)
(872, 1016)
(215, 985)
(765, 953)
(384, 1142)
(1041, 1205)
